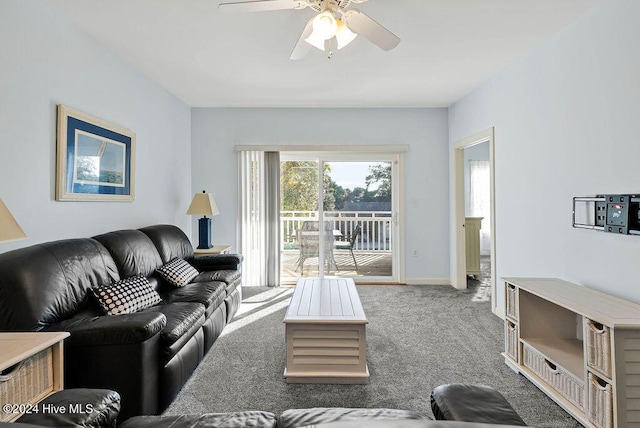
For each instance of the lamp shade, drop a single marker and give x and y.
(203, 204)
(10, 230)
(344, 36)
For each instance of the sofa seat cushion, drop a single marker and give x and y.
(183, 320)
(248, 419)
(88, 328)
(229, 277)
(211, 294)
(295, 418)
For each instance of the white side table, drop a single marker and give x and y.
(216, 249)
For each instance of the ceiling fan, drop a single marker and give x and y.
(334, 22)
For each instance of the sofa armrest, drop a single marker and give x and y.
(121, 353)
(79, 407)
(217, 262)
(111, 330)
(472, 403)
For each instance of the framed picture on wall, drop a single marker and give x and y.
(95, 159)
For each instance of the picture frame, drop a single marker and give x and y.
(95, 159)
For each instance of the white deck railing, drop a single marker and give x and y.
(376, 227)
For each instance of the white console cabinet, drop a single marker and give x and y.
(472, 226)
(578, 345)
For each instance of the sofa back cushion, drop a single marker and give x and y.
(171, 242)
(46, 283)
(133, 252)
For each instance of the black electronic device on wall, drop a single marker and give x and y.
(609, 213)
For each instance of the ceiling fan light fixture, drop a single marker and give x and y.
(344, 35)
(315, 41)
(325, 25)
(334, 20)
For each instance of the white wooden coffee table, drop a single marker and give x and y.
(325, 333)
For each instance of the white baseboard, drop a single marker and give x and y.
(428, 281)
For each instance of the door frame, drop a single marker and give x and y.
(394, 154)
(458, 255)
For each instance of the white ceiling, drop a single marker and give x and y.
(448, 48)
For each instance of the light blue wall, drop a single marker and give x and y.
(45, 61)
(566, 124)
(215, 132)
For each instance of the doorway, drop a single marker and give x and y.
(477, 179)
(338, 216)
(476, 150)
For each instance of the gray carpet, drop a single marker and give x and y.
(418, 337)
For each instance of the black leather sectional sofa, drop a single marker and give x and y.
(145, 356)
(453, 405)
(294, 418)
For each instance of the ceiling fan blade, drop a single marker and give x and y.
(261, 5)
(302, 48)
(361, 24)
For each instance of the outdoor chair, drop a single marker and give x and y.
(348, 242)
(310, 225)
(309, 242)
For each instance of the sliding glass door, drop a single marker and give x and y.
(338, 216)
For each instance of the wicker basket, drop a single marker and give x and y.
(26, 383)
(600, 409)
(512, 301)
(598, 347)
(511, 340)
(555, 376)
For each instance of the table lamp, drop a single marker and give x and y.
(10, 230)
(204, 204)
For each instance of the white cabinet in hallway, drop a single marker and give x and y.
(472, 227)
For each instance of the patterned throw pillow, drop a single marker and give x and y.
(178, 272)
(126, 296)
